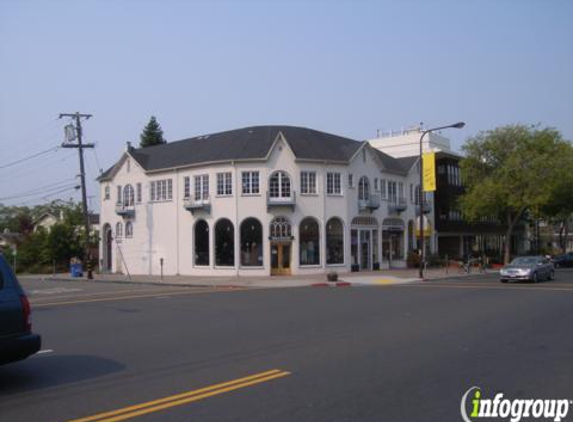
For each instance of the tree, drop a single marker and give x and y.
(511, 169)
(152, 134)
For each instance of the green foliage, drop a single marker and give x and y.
(152, 134)
(39, 250)
(515, 168)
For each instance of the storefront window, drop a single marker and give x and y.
(334, 241)
(201, 243)
(224, 243)
(309, 242)
(251, 243)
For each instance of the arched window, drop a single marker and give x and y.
(251, 243)
(224, 243)
(128, 196)
(334, 241)
(279, 185)
(309, 247)
(280, 229)
(201, 243)
(363, 188)
(129, 229)
(118, 230)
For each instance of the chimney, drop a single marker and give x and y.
(128, 146)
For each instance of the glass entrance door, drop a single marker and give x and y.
(280, 258)
(365, 263)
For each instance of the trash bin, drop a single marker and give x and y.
(76, 270)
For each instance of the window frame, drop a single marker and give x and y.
(308, 182)
(333, 181)
(250, 183)
(225, 183)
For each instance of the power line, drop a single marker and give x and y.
(38, 191)
(13, 163)
(45, 198)
(48, 162)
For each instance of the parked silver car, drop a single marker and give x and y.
(533, 268)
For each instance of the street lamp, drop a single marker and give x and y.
(458, 125)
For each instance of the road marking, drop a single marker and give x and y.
(183, 398)
(159, 290)
(112, 299)
(41, 352)
(491, 287)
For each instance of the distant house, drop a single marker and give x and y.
(47, 220)
(8, 240)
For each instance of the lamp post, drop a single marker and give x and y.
(458, 125)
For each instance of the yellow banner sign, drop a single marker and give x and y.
(429, 166)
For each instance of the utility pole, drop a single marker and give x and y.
(80, 146)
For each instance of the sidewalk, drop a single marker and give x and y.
(367, 278)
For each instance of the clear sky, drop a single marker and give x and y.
(345, 67)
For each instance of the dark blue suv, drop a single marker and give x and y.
(16, 338)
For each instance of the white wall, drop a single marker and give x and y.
(165, 229)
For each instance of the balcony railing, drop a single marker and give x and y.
(427, 207)
(397, 205)
(194, 204)
(370, 204)
(281, 201)
(126, 211)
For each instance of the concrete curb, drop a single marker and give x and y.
(333, 284)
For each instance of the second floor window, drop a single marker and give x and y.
(333, 185)
(279, 185)
(186, 187)
(162, 190)
(350, 180)
(128, 196)
(139, 198)
(308, 182)
(392, 191)
(201, 187)
(250, 182)
(363, 188)
(106, 193)
(383, 188)
(225, 183)
(119, 195)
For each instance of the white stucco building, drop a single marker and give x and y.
(264, 200)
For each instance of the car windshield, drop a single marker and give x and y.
(524, 261)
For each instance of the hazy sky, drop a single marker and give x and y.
(348, 68)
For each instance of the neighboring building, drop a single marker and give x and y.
(47, 220)
(257, 201)
(452, 235)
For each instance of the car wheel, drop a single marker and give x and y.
(503, 280)
(535, 278)
(551, 275)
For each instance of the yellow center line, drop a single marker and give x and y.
(183, 398)
(111, 299)
(38, 299)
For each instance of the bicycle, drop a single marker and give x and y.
(466, 267)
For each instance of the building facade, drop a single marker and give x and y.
(264, 200)
(452, 235)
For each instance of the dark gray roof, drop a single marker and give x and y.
(249, 143)
(246, 143)
(408, 162)
(390, 163)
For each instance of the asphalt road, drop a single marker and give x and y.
(392, 353)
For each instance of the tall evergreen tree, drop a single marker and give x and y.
(152, 134)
